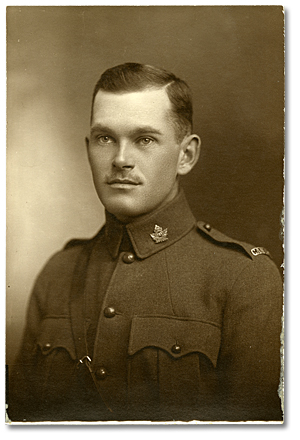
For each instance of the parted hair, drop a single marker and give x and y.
(133, 77)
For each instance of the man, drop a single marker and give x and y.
(158, 317)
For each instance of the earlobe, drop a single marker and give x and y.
(190, 151)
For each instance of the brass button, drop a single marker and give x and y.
(109, 312)
(207, 227)
(176, 349)
(101, 373)
(47, 346)
(128, 258)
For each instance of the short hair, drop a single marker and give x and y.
(132, 77)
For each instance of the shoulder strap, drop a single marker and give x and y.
(223, 240)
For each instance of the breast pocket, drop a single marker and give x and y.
(181, 355)
(57, 358)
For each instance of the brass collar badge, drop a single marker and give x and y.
(159, 234)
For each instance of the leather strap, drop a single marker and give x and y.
(77, 306)
(77, 312)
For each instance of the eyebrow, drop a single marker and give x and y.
(146, 129)
(136, 131)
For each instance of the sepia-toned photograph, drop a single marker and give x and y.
(145, 214)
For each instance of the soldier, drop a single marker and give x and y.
(158, 317)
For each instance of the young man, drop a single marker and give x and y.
(158, 317)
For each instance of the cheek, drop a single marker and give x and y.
(166, 166)
(99, 163)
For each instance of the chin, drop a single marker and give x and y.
(125, 215)
(122, 209)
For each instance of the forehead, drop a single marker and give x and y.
(143, 106)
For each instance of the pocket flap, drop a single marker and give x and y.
(56, 333)
(177, 336)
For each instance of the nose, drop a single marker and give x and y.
(123, 158)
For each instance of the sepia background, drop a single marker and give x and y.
(233, 60)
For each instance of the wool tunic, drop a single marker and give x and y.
(163, 318)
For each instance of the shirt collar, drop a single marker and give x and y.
(175, 216)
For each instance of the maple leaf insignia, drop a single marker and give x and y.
(159, 234)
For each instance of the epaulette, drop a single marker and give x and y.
(223, 240)
(76, 242)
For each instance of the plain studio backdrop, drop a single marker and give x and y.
(232, 58)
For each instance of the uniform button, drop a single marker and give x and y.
(128, 258)
(109, 312)
(101, 373)
(207, 227)
(46, 347)
(176, 349)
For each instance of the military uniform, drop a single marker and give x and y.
(164, 318)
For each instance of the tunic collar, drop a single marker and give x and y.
(175, 216)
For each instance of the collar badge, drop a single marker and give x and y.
(159, 234)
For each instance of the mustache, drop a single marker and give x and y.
(121, 178)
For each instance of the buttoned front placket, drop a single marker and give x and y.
(139, 286)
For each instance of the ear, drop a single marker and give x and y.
(189, 155)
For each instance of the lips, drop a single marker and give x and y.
(123, 182)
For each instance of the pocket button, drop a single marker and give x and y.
(109, 312)
(176, 349)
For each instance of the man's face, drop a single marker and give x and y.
(133, 152)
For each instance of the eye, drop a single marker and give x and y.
(105, 139)
(145, 141)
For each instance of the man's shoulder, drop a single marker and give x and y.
(77, 244)
(222, 242)
(66, 258)
(232, 259)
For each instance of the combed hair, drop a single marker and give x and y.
(133, 77)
